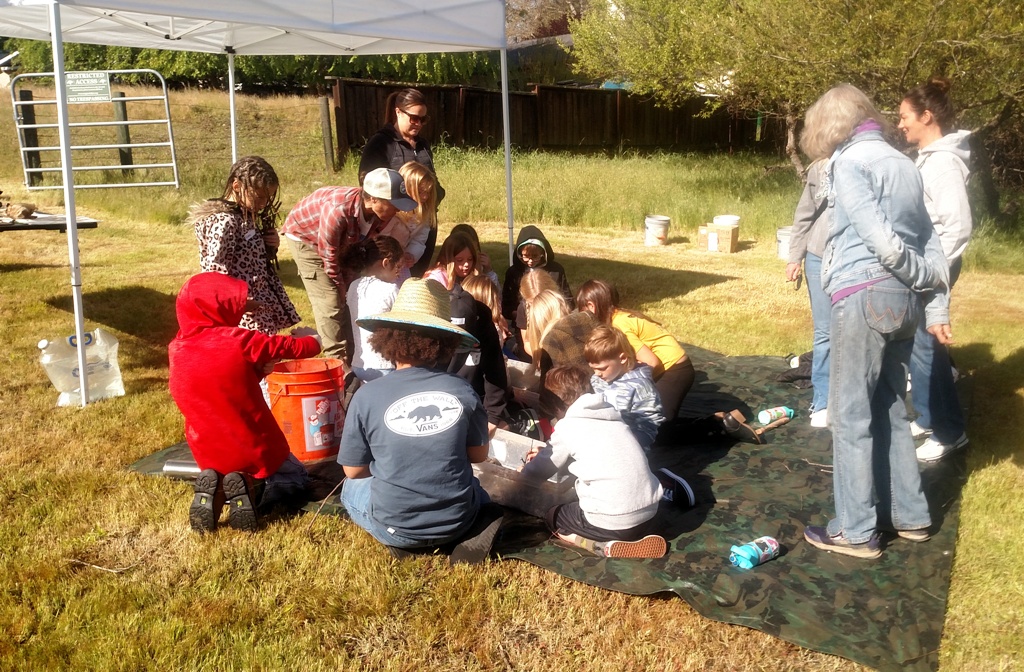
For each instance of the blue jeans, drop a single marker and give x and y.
(873, 451)
(355, 497)
(934, 391)
(821, 314)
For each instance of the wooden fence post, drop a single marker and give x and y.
(340, 122)
(540, 116)
(29, 136)
(325, 126)
(123, 135)
(460, 118)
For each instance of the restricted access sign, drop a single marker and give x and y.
(88, 87)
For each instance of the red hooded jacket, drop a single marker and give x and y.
(215, 375)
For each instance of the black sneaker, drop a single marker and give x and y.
(238, 489)
(206, 503)
(676, 489)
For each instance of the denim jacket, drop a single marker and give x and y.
(880, 227)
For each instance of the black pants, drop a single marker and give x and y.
(569, 519)
(673, 386)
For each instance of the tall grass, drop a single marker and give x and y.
(327, 596)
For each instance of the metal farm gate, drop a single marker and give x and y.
(110, 149)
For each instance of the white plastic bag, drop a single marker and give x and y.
(60, 360)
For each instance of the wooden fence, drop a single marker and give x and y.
(552, 117)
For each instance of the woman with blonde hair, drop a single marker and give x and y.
(555, 336)
(546, 308)
(533, 283)
(411, 229)
(485, 291)
(882, 261)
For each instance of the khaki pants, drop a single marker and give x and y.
(329, 309)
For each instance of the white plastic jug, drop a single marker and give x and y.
(60, 361)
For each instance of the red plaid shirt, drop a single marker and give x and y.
(330, 219)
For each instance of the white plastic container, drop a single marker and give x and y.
(60, 360)
(656, 230)
(726, 220)
(782, 242)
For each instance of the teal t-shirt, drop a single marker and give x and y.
(412, 427)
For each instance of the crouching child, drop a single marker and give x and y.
(215, 372)
(617, 512)
(624, 383)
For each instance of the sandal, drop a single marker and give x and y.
(735, 426)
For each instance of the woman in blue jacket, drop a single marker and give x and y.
(882, 264)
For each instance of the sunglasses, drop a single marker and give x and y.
(415, 118)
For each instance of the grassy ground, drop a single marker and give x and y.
(100, 570)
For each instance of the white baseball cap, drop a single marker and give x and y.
(389, 185)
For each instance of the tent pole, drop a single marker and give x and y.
(231, 104)
(506, 129)
(64, 131)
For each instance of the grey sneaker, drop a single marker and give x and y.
(915, 535)
(820, 538)
(933, 450)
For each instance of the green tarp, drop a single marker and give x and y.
(883, 613)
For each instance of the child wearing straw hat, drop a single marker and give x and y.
(411, 437)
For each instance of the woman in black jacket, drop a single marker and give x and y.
(398, 143)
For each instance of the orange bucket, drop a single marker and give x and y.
(305, 398)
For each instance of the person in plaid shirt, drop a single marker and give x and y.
(322, 226)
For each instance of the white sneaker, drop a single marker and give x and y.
(819, 418)
(933, 451)
(918, 431)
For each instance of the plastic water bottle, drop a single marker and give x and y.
(756, 552)
(60, 361)
(770, 415)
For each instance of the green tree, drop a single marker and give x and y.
(777, 57)
(283, 72)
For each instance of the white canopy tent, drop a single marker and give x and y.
(252, 27)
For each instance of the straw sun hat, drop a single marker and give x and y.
(420, 303)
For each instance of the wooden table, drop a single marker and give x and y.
(44, 222)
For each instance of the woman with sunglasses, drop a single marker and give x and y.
(398, 143)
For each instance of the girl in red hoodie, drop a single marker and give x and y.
(215, 372)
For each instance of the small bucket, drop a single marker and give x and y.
(305, 398)
(782, 242)
(656, 230)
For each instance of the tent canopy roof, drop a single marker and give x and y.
(268, 27)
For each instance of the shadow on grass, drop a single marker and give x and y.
(16, 268)
(1000, 411)
(637, 282)
(140, 312)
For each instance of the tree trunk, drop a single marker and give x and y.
(791, 150)
(981, 170)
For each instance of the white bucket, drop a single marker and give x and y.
(782, 242)
(656, 230)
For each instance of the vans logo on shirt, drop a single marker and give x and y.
(423, 414)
